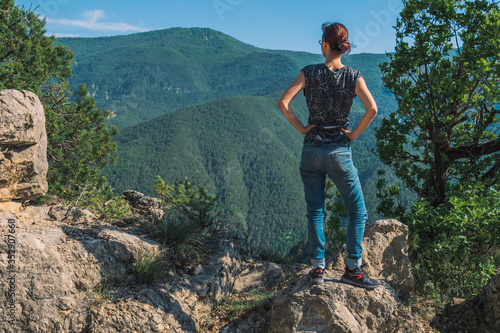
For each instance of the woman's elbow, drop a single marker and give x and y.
(282, 105)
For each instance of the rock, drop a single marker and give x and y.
(337, 307)
(78, 278)
(481, 314)
(23, 146)
(386, 246)
(198, 294)
(385, 251)
(70, 214)
(56, 277)
(487, 303)
(256, 274)
(144, 205)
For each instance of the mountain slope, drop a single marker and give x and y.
(242, 148)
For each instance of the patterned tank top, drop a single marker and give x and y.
(329, 96)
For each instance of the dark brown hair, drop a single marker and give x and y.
(336, 35)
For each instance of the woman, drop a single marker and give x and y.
(329, 89)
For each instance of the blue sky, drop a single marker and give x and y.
(291, 25)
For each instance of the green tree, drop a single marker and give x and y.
(79, 141)
(443, 140)
(445, 75)
(28, 58)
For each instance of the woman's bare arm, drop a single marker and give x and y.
(371, 110)
(284, 103)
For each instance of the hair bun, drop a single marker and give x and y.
(344, 45)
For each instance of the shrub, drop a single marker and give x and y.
(98, 196)
(453, 247)
(191, 215)
(147, 266)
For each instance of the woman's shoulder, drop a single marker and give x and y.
(353, 72)
(312, 67)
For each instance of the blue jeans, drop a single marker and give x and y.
(336, 162)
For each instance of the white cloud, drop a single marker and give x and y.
(60, 35)
(90, 21)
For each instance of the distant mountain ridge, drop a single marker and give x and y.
(145, 75)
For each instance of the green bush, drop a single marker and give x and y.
(98, 197)
(193, 204)
(453, 247)
(191, 214)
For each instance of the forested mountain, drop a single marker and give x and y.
(198, 104)
(145, 75)
(243, 148)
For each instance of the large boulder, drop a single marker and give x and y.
(386, 248)
(23, 146)
(385, 252)
(338, 307)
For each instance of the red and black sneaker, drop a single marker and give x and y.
(316, 276)
(358, 277)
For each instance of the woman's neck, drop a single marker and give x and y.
(333, 61)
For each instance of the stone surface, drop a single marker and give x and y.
(78, 277)
(60, 277)
(256, 274)
(385, 251)
(144, 205)
(23, 146)
(338, 307)
(487, 303)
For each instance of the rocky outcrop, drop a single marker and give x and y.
(386, 250)
(76, 276)
(385, 253)
(338, 307)
(144, 205)
(23, 146)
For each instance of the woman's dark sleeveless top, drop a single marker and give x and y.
(329, 96)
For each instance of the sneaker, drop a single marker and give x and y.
(316, 276)
(359, 278)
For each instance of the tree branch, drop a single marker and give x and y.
(456, 153)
